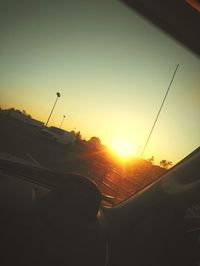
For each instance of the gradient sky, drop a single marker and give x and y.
(111, 67)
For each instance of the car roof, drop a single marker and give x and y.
(179, 18)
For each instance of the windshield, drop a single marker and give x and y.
(98, 70)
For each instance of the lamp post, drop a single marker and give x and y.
(58, 96)
(62, 121)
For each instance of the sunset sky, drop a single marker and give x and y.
(111, 67)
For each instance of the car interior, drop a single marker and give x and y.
(65, 222)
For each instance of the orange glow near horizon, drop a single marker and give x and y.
(123, 148)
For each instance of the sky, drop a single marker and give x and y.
(112, 68)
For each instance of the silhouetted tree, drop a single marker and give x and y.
(165, 164)
(73, 132)
(24, 112)
(78, 137)
(151, 160)
(95, 143)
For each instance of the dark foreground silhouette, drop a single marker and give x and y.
(62, 228)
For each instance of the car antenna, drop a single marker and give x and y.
(159, 111)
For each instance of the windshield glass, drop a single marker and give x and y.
(127, 94)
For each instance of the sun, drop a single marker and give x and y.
(123, 148)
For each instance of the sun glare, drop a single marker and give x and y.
(123, 148)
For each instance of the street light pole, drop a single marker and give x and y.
(62, 121)
(58, 95)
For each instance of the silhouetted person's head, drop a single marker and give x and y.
(74, 202)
